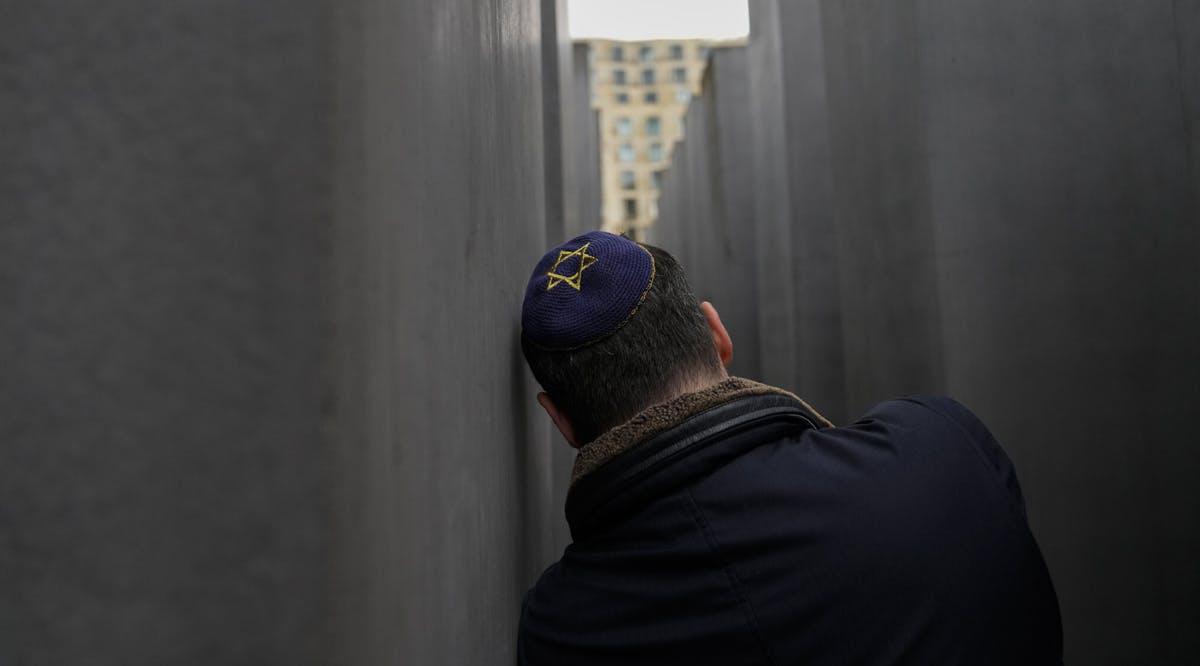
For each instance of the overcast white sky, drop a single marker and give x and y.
(658, 19)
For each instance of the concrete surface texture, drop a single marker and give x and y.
(261, 266)
(1005, 195)
(556, 73)
(1066, 236)
(164, 494)
(881, 205)
(582, 137)
(773, 220)
(799, 292)
(1027, 166)
(1187, 41)
(447, 472)
(707, 206)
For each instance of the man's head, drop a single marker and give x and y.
(610, 327)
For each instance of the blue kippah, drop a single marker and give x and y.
(584, 290)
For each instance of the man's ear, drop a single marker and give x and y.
(560, 419)
(720, 335)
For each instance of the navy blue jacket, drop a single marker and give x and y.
(746, 533)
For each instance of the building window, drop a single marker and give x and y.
(648, 77)
(703, 52)
(625, 152)
(653, 126)
(619, 77)
(683, 96)
(652, 97)
(677, 52)
(655, 153)
(631, 209)
(646, 53)
(628, 180)
(624, 127)
(618, 54)
(657, 175)
(678, 75)
(622, 98)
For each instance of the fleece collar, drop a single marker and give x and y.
(666, 415)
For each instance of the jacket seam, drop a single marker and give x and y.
(735, 584)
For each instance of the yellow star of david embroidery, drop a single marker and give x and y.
(574, 279)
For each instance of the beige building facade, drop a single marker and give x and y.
(640, 91)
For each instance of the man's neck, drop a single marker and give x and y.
(691, 385)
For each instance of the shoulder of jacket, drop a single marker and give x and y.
(924, 406)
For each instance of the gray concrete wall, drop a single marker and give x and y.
(261, 266)
(447, 472)
(996, 201)
(1187, 41)
(556, 89)
(164, 197)
(799, 281)
(706, 204)
(572, 187)
(882, 209)
(1016, 207)
(747, 201)
(582, 136)
(1065, 234)
(773, 219)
